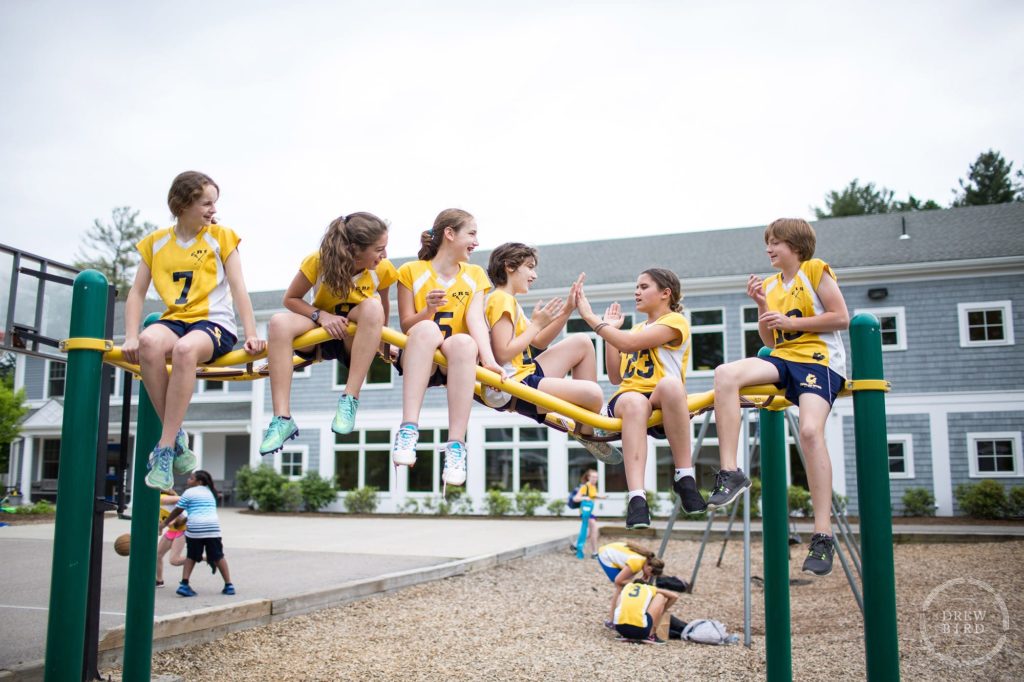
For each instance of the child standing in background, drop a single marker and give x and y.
(202, 532)
(192, 264)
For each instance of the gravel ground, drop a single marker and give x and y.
(540, 619)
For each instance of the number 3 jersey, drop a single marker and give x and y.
(500, 303)
(641, 371)
(365, 285)
(420, 278)
(189, 276)
(799, 298)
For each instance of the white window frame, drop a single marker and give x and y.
(745, 327)
(360, 448)
(1006, 307)
(972, 453)
(302, 451)
(515, 445)
(706, 329)
(907, 440)
(898, 312)
(367, 386)
(46, 379)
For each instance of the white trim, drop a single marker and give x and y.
(719, 328)
(898, 312)
(907, 441)
(359, 448)
(1006, 307)
(1015, 446)
(302, 450)
(516, 445)
(746, 327)
(46, 379)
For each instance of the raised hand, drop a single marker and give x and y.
(336, 325)
(574, 289)
(613, 315)
(544, 313)
(755, 290)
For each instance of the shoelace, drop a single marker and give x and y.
(406, 439)
(277, 427)
(348, 407)
(820, 545)
(456, 456)
(720, 477)
(163, 463)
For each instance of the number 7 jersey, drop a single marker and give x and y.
(189, 276)
(641, 371)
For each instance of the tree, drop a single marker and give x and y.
(989, 181)
(856, 199)
(12, 409)
(110, 248)
(913, 204)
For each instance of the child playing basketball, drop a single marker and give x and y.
(202, 531)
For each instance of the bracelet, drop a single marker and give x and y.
(598, 328)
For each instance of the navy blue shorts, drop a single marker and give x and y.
(329, 350)
(798, 378)
(223, 340)
(653, 432)
(194, 548)
(635, 631)
(524, 407)
(438, 378)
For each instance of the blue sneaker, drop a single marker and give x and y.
(184, 458)
(229, 589)
(345, 415)
(185, 590)
(279, 431)
(160, 462)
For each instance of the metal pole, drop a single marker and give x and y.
(65, 631)
(122, 463)
(138, 627)
(700, 552)
(745, 465)
(746, 533)
(880, 633)
(679, 503)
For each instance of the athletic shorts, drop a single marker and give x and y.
(653, 432)
(798, 378)
(611, 571)
(173, 535)
(223, 340)
(194, 548)
(438, 378)
(329, 350)
(635, 631)
(525, 407)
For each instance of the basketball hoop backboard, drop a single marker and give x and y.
(35, 303)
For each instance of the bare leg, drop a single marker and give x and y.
(814, 411)
(670, 397)
(155, 345)
(460, 351)
(189, 351)
(162, 547)
(634, 409)
(593, 532)
(177, 551)
(729, 379)
(282, 332)
(417, 366)
(186, 571)
(369, 318)
(222, 566)
(573, 354)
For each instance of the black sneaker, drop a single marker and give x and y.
(728, 486)
(686, 489)
(637, 514)
(819, 557)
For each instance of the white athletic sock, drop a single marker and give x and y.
(685, 472)
(637, 493)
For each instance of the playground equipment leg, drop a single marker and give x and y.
(775, 521)
(65, 631)
(746, 533)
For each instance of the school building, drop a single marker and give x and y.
(947, 286)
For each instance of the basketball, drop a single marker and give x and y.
(123, 544)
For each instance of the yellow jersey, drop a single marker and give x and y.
(498, 304)
(365, 284)
(799, 298)
(189, 276)
(420, 278)
(641, 371)
(618, 555)
(633, 602)
(589, 491)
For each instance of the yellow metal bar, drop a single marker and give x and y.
(82, 343)
(869, 385)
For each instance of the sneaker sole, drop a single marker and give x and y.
(341, 431)
(159, 485)
(638, 526)
(614, 457)
(736, 493)
(281, 446)
(815, 573)
(185, 468)
(454, 481)
(399, 463)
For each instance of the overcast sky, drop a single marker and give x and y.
(549, 121)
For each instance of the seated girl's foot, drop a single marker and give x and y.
(454, 463)
(281, 429)
(160, 462)
(686, 489)
(403, 453)
(184, 459)
(728, 486)
(345, 415)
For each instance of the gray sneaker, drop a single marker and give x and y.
(728, 486)
(819, 556)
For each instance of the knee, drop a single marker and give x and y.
(278, 325)
(371, 313)
(672, 387)
(150, 347)
(726, 376)
(460, 346)
(185, 352)
(809, 436)
(582, 344)
(426, 332)
(634, 405)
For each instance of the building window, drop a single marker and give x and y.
(577, 326)
(211, 386)
(994, 455)
(707, 340)
(892, 324)
(751, 337)
(363, 458)
(50, 462)
(514, 457)
(985, 324)
(425, 477)
(379, 375)
(291, 462)
(901, 456)
(56, 372)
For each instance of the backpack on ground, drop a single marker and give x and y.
(676, 627)
(706, 632)
(673, 583)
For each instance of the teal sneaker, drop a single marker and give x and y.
(184, 458)
(279, 431)
(345, 415)
(160, 461)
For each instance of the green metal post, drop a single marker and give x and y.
(880, 633)
(138, 628)
(775, 536)
(76, 476)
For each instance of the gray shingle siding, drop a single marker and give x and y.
(35, 377)
(963, 423)
(918, 427)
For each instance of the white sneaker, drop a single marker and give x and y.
(403, 453)
(454, 463)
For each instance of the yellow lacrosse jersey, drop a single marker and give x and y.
(799, 298)
(365, 285)
(633, 602)
(619, 555)
(588, 490)
(501, 303)
(420, 278)
(641, 371)
(189, 276)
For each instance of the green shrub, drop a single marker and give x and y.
(317, 491)
(291, 496)
(528, 499)
(1015, 501)
(918, 502)
(557, 506)
(496, 503)
(40, 507)
(263, 485)
(799, 500)
(361, 500)
(410, 506)
(453, 502)
(983, 500)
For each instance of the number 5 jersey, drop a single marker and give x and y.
(641, 371)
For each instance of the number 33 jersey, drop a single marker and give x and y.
(641, 371)
(189, 276)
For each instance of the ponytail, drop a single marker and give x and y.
(656, 564)
(344, 239)
(431, 240)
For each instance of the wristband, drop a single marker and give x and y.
(598, 328)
